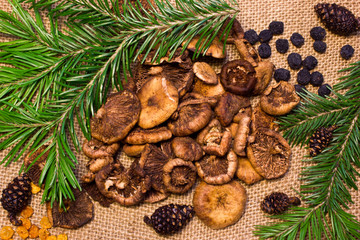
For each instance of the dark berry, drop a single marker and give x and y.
(276, 27)
(324, 90)
(297, 40)
(264, 50)
(265, 36)
(294, 61)
(282, 74)
(317, 33)
(347, 52)
(282, 45)
(310, 62)
(316, 79)
(303, 77)
(300, 88)
(251, 36)
(319, 46)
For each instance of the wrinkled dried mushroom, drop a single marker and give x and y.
(242, 132)
(279, 99)
(260, 119)
(142, 136)
(133, 150)
(179, 175)
(116, 117)
(97, 149)
(269, 153)
(96, 195)
(215, 50)
(238, 77)
(229, 105)
(186, 148)
(217, 170)
(77, 214)
(205, 73)
(153, 196)
(264, 72)
(246, 172)
(208, 90)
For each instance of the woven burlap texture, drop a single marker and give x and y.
(119, 222)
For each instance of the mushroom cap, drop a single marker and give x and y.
(208, 90)
(77, 214)
(216, 49)
(238, 77)
(186, 148)
(97, 149)
(116, 117)
(279, 99)
(219, 206)
(205, 73)
(217, 170)
(37, 167)
(264, 72)
(179, 175)
(159, 99)
(152, 160)
(260, 119)
(143, 136)
(133, 150)
(228, 106)
(246, 172)
(236, 31)
(153, 196)
(190, 119)
(247, 51)
(269, 153)
(96, 195)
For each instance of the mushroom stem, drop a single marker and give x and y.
(245, 53)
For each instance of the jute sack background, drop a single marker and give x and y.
(119, 222)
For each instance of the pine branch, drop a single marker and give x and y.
(326, 184)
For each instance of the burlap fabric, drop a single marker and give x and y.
(119, 222)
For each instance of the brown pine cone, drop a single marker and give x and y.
(278, 202)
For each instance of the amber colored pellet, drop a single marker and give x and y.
(26, 223)
(62, 237)
(23, 232)
(6, 233)
(34, 188)
(51, 238)
(27, 212)
(45, 223)
(43, 234)
(34, 232)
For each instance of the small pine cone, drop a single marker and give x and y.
(170, 218)
(320, 140)
(16, 196)
(278, 202)
(337, 18)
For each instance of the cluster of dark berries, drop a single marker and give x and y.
(318, 34)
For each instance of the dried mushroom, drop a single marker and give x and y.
(116, 117)
(216, 49)
(77, 214)
(236, 31)
(167, 149)
(264, 72)
(208, 90)
(246, 172)
(35, 170)
(247, 51)
(159, 100)
(97, 149)
(205, 73)
(269, 153)
(180, 57)
(279, 99)
(142, 136)
(152, 160)
(242, 132)
(96, 165)
(217, 170)
(153, 196)
(229, 105)
(214, 139)
(125, 186)
(186, 148)
(238, 77)
(179, 175)
(233, 129)
(190, 118)
(133, 150)
(219, 206)
(260, 119)
(96, 195)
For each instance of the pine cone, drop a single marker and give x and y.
(278, 202)
(170, 218)
(337, 18)
(320, 140)
(16, 196)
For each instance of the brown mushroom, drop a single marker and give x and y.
(167, 149)
(35, 168)
(247, 51)
(242, 132)
(215, 50)
(233, 129)
(125, 186)
(180, 57)
(279, 99)
(269, 153)
(116, 117)
(96, 165)
(78, 212)
(153, 196)
(96, 195)
(236, 31)
(179, 175)
(238, 77)
(217, 170)
(260, 119)
(205, 73)
(142, 136)
(246, 172)
(186, 148)
(264, 72)
(97, 149)
(208, 90)
(133, 150)
(152, 160)
(214, 139)
(159, 100)
(229, 105)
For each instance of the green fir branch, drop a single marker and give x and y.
(327, 182)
